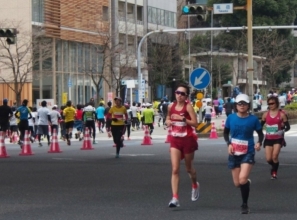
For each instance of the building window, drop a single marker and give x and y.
(161, 17)
(105, 16)
(38, 11)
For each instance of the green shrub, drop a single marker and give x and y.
(292, 106)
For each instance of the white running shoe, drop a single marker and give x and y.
(173, 203)
(195, 193)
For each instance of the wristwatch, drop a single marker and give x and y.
(184, 119)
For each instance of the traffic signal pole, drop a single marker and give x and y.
(250, 45)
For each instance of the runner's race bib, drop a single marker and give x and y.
(179, 129)
(118, 115)
(240, 147)
(271, 129)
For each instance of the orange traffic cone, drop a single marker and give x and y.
(3, 153)
(54, 148)
(87, 144)
(26, 147)
(169, 135)
(146, 139)
(213, 132)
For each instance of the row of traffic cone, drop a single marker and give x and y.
(54, 146)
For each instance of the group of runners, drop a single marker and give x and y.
(239, 136)
(181, 117)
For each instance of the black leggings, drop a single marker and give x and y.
(91, 126)
(117, 132)
(23, 126)
(128, 130)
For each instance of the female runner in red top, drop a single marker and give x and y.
(275, 120)
(181, 117)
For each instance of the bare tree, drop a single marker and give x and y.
(17, 60)
(279, 53)
(163, 60)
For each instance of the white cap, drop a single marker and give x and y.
(55, 106)
(242, 98)
(148, 104)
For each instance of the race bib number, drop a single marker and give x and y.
(271, 129)
(179, 129)
(118, 115)
(240, 147)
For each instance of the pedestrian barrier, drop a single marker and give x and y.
(213, 132)
(26, 147)
(3, 152)
(146, 139)
(169, 135)
(203, 128)
(54, 147)
(87, 144)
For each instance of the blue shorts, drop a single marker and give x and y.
(236, 161)
(78, 125)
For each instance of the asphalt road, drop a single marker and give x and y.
(92, 184)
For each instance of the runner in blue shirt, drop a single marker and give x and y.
(100, 117)
(23, 113)
(241, 146)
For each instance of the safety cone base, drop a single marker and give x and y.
(26, 154)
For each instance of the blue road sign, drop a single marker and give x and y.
(200, 78)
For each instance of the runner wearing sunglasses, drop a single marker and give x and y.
(238, 134)
(276, 125)
(181, 117)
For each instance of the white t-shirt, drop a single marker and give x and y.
(134, 111)
(30, 121)
(282, 100)
(208, 110)
(34, 117)
(13, 121)
(55, 115)
(42, 114)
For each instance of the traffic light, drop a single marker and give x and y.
(199, 10)
(10, 34)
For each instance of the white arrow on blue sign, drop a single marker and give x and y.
(200, 78)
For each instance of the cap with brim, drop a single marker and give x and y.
(148, 104)
(55, 106)
(117, 98)
(242, 98)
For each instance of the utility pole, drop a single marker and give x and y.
(250, 69)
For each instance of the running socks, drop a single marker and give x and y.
(194, 185)
(245, 191)
(275, 166)
(175, 196)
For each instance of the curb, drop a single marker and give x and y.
(203, 135)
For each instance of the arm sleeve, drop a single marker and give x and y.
(287, 126)
(226, 135)
(261, 136)
(262, 123)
